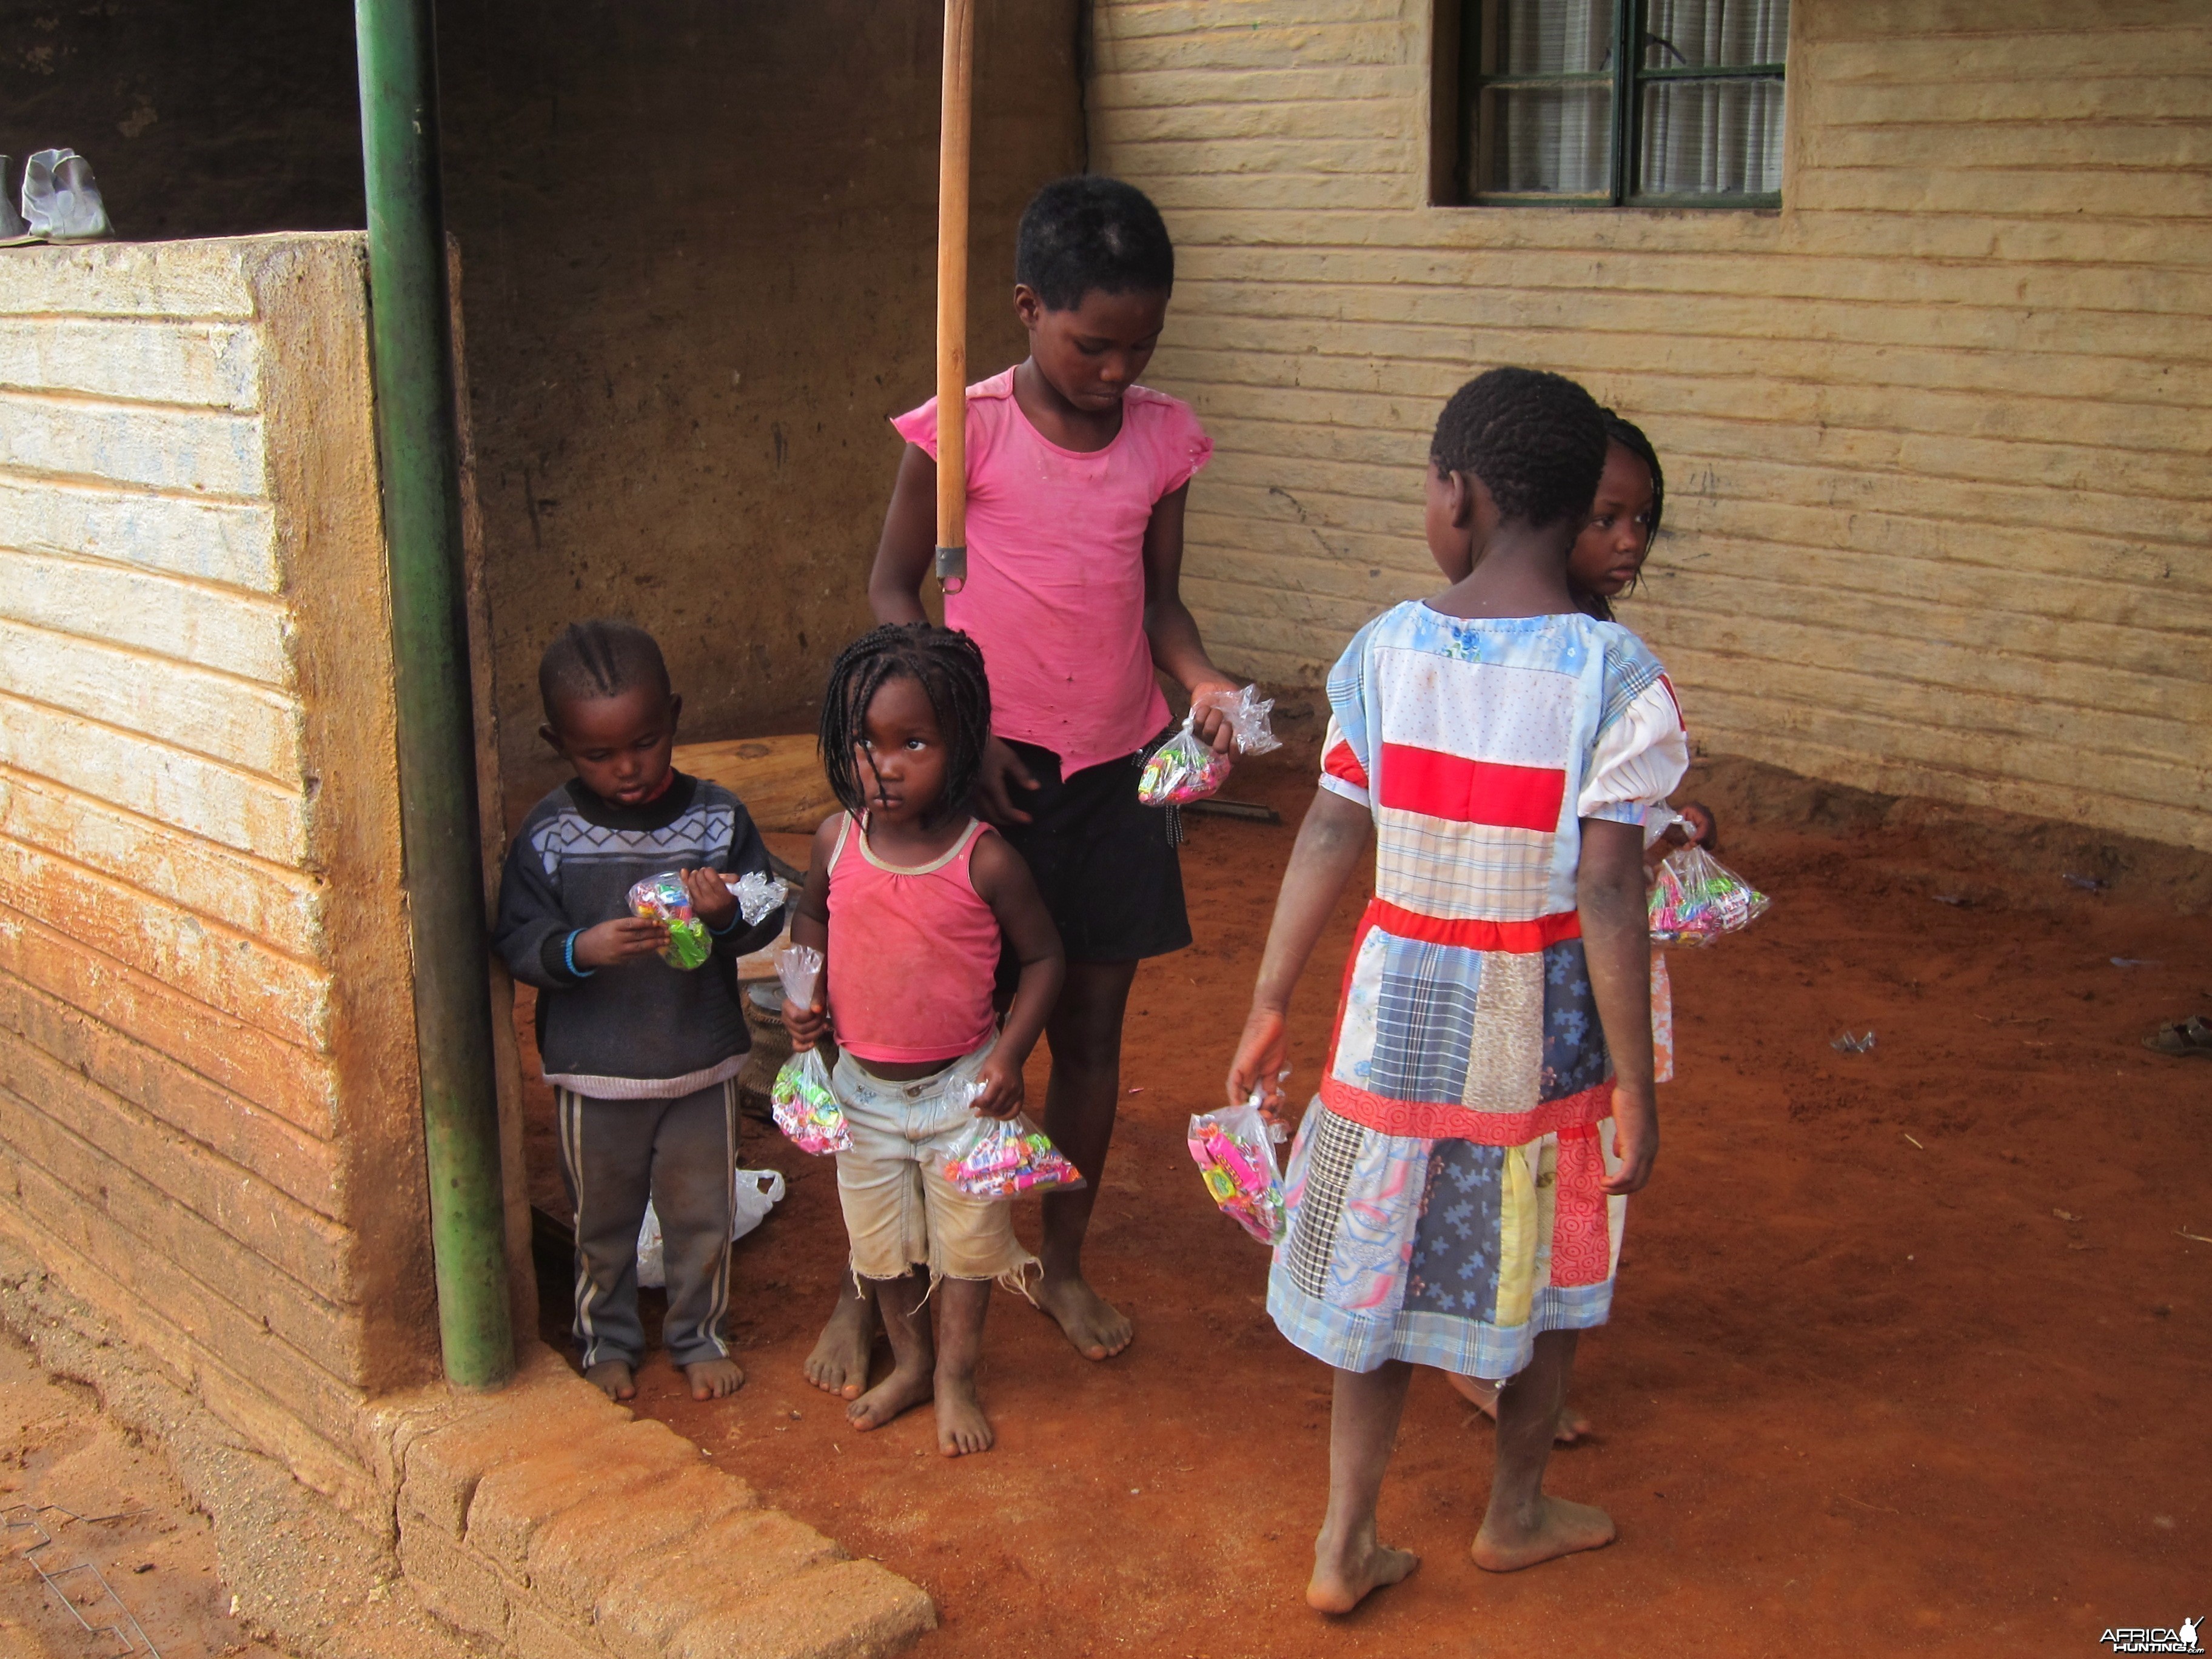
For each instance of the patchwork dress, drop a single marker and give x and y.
(1445, 1204)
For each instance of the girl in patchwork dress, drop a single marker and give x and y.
(1457, 1189)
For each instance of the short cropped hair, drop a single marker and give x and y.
(1089, 232)
(1537, 441)
(601, 658)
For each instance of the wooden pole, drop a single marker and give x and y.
(952, 295)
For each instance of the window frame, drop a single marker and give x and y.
(1459, 40)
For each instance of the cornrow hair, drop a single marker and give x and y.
(946, 663)
(1630, 436)
(601, 658)
(1088, 232)
(1536, 441)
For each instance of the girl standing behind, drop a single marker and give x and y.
(1456, 1190)
(1076, 477)
(911, 899)
(1608, 557)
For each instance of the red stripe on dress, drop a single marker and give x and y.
(1341, 762)
(1473, 933)
(1464, 790)
(1420, 1120)
(1582, 1240)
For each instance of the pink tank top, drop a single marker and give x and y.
(914, 953)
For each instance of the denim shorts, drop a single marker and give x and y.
(900, 1211)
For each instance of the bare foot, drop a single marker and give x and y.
(1343, 1574)
(614, 1378)
(839, 1363)
(962, 1428)
(714, 1379)
(900, 1391)
(1573, 1427)
(1561, 1529)
(1096, 1328)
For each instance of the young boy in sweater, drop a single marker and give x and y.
(643, 1057)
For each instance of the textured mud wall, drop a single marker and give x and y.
(1935, 434)
(208, 1127)
(699, 239)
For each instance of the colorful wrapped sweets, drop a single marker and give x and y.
(805, 1110)
(1695, 898)
(1235, 1157)
(664, 898)
(1004, 1157)
(1185, 767)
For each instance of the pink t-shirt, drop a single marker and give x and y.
(1055, 589)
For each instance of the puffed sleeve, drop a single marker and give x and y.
(1345, 751)
(1641, 752)
(1182, 450)
(919, 428)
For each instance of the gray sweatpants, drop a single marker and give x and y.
(680, 1153)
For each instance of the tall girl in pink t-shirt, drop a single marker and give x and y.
(1076, 482)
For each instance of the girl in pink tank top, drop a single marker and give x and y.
(912, 900)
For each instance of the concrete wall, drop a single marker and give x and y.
(208, 1126)
(1935, 434)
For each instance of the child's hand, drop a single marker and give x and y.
(807, 1025)
(999, 1087)
(998, 779)
(711, 902)
(1635, 1140)
(1262, 1062)
(623, 939)
(1212, 725)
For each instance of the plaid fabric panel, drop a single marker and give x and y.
(1462, 870)
(1631, 670)
(1424, 1020)
(1575, 1055)
(1331, 1148)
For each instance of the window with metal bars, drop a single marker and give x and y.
(1641, 103)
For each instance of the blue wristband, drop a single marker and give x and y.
(568, 956)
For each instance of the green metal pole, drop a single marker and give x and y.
(411, 353)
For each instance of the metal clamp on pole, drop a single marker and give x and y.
(411, 358)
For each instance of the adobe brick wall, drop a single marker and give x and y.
(1935, 433)
(209, 1128)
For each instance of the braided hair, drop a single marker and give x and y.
(1630, 436)
(1536, 441)
(948, 666)
(601, 658)
(1088, 232)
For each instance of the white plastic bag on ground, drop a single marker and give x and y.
(753, 1194)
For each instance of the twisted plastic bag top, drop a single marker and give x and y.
(759, 895)
(1695, 898)
(800, 968)
(1247, 714)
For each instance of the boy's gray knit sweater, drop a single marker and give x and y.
(639, 1030)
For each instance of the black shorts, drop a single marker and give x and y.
(1108, 874)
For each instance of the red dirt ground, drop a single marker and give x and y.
(1909, 1354)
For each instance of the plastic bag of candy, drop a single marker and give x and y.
(1695, 898)
(1004, 1157)
(664, 898)
(804, 1108)
(759, 895)
(1235, 1157)
(1186, 769)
